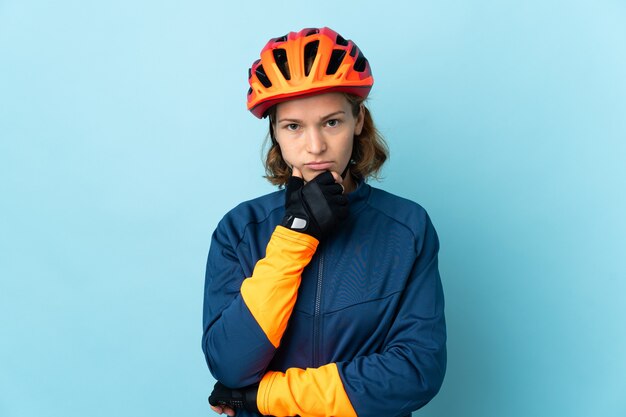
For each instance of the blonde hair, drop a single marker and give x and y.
(369, 151)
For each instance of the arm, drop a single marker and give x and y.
(403, 377)
(254, 310)
(244, 319)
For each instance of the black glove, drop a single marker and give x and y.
(235, 398)
(315, 208)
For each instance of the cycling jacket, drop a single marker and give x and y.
(353, 325)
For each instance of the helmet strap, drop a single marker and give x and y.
(345, 171)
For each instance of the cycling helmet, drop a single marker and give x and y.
(304, 63)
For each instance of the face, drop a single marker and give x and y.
(316, 133)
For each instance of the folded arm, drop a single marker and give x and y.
(255, 309)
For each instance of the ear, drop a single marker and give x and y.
(360, 120)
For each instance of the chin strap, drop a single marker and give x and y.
(350, 162)
(345, 171)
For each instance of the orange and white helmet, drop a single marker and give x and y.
(307, 62)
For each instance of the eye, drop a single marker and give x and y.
(332, 123)
(292, 127)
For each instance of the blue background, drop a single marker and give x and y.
(124, 139)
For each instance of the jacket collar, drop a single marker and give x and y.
(359, 196)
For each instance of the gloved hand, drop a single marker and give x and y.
(235, 398)
(314, 208)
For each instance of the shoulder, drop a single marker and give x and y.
(404, 213)
(255, 211)
(400, 209)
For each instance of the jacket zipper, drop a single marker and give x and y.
(316, 315)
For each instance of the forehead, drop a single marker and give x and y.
(313, 106)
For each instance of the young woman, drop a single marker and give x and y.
(322, 298)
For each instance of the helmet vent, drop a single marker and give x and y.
(249, 90)
(361, 63)
(341, 41)
(312, 32)
(310, 52)
(353, 51)
(280, 39)
(336, 58)
(262, 76)
(280, 56)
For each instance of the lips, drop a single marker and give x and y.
(319, 166)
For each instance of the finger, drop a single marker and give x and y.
(325, 178)
(337, 177)
(229, 411)
(294, 183)
(296, 172)
(333, 189)
(217, 409)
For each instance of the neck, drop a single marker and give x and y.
(348, 184)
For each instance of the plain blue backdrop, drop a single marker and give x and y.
(124, 139)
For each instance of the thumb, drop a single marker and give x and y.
(296, 172)
(337, 177)
(294, 183)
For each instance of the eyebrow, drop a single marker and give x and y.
(328, 116)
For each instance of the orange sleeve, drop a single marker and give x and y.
(271, 292)
(312, 392)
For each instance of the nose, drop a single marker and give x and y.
(315, 142)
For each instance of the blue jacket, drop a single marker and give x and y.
(353, 325)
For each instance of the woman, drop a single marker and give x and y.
(322, 299)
